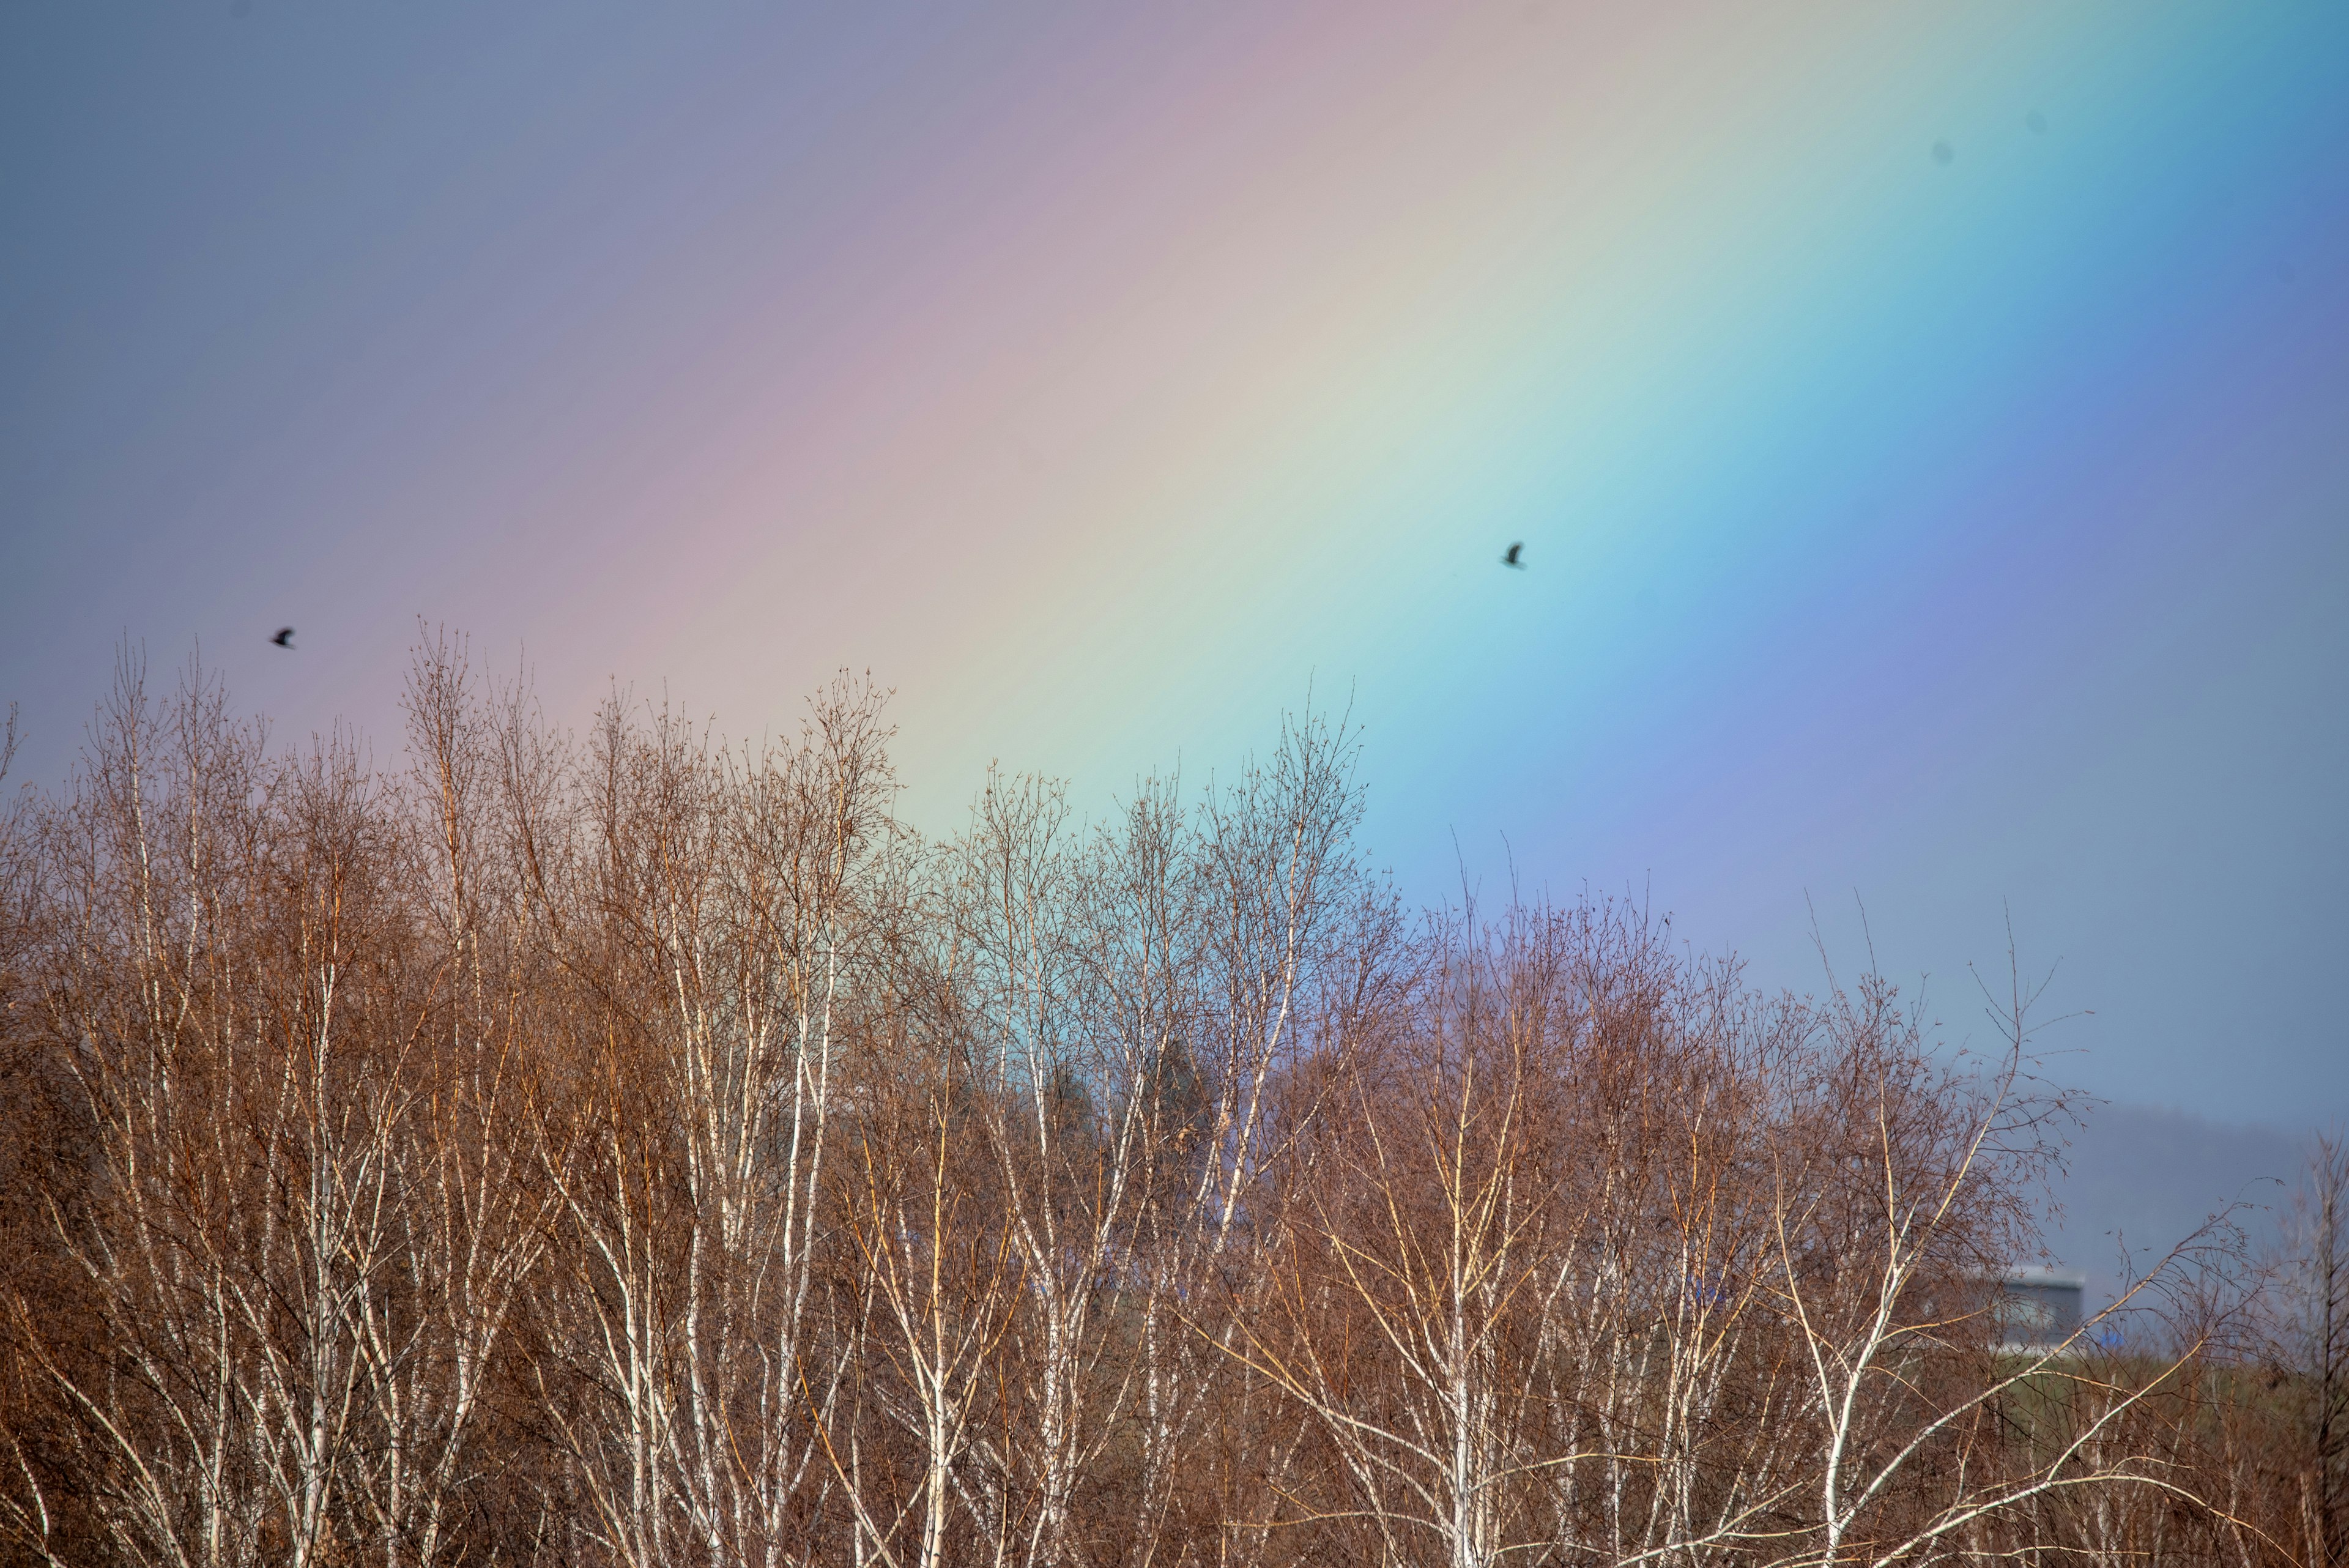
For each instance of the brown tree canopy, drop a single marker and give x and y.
(624, 1148)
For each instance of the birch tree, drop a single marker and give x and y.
(716, 921)
(233, 986)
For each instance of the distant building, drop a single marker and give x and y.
(2038, 1309)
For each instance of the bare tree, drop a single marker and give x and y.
(1507, 1282)
(2315, 1287)
(638, 1150)
(714, 910)
(469, 1218)
(234, 999)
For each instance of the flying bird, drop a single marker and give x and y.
(1511, 558)
(285, 637)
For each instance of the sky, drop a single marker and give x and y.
(1927, 427)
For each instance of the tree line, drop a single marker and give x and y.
(628, 1149)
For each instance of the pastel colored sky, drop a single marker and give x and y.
(1928, 426)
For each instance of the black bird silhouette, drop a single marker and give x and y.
(1511, 558)
(285, 637)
